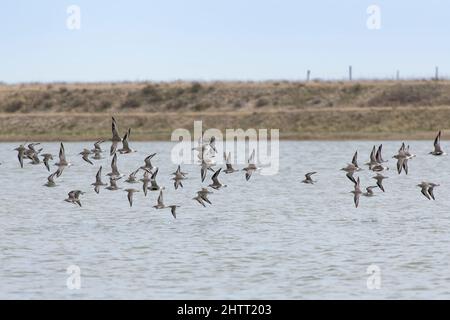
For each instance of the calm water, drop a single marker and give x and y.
(270, 238)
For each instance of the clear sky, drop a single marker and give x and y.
(213, 40)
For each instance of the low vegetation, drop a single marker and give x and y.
(315, 110)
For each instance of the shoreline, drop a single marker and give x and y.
(301, 125)
(358, 110)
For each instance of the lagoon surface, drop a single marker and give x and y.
(270, 238)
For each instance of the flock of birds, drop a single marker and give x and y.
(206, 154)
(376, 165)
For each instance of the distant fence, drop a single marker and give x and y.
(436, 76)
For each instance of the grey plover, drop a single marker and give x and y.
(402, 159)
(74, 197)
(229, 166)
(203, 194)
(369, 191)
(97, 147)
(173, 209)
(85, 155)
(251, 167)
(216, 183)
(160, 201)
(130, 193)
(179, 177)
(98, 181)
(47, 157)
(115, 137)
(153, 184)
(113, 183)
(51, 180)
(148, 163)
(132, 177)
(125, 145)
(308, 179)
(63, 163)
(356, 193)
(145, 180)
(114, 170)
(20, 154)
(379, 178)
(437, 146)
(426, 188)
(205, 166)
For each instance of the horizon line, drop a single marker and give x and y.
(218, 80)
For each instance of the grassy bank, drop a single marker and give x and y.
(317, 110)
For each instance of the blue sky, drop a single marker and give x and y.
(214, 40)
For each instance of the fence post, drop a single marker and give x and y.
(350, 73)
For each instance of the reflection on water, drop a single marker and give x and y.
(271, 238)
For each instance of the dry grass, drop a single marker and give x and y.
(317, 110)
